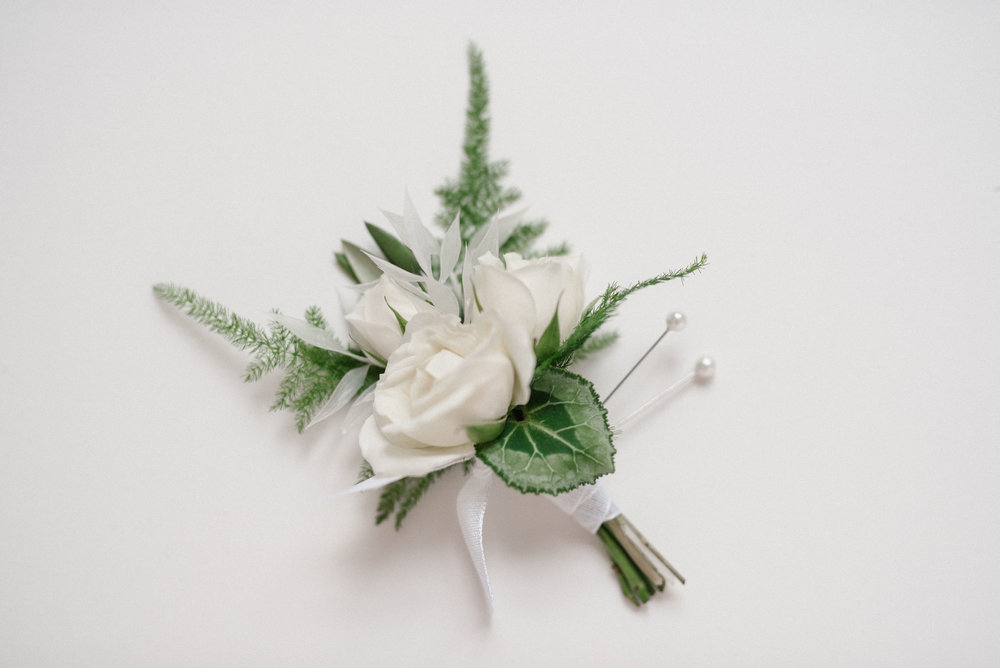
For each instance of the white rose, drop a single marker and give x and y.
(373, 325)
(445, 377)
(530, 291)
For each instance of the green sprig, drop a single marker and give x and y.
(478, 194)
(270, 351)
(311, 373)
(597, 342)
(602, 310)
(398, 498)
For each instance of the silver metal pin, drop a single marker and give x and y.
(676, 321)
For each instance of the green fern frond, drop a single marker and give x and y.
(595, 343)
(271, 357)
(477, 194)
(311, 374)
(601, 312)
(314, 316)
(311, 377)
(398, 498)
(523, 237)
(242, 333)
(414, 494)
(287, 390)
(558, 249)
(389, 499)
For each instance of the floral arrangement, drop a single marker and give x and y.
(459, 356)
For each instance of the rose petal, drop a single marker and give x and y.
(388, 459)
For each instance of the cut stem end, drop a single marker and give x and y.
(634, 560)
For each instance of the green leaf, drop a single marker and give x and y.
(361, 266)
(395, 251)
(399, 319)
(484, 433)
(344, 264)
(549, 343)
(556, 442)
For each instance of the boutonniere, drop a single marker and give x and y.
(459, 354)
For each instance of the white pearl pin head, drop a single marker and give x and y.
(702, 372)
(676, 321)
(704, 368)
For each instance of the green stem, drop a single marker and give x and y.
(634, 585)
(632, 559)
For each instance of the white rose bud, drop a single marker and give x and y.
(373, 325)
(529, 291)
(444, 378)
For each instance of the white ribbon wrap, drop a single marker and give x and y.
(590, 505)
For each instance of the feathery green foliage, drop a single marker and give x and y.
(311, 373)
(270, 351)
(398, 498)
(477, 194)
(311, 376)
(558, 249)
(602, 310)
(595, 343)
(271, 357)
(523, 238)
(315, 317)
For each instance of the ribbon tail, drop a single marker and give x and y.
(471, 507)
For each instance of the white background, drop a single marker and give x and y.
(831, 497)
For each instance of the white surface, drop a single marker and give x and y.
(831, 497)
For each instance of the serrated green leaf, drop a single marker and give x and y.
(556, 442)
(395, 251)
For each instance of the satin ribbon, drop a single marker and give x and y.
(471, 506)
(590, 505)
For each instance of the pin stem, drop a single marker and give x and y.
(649, 546)
(636, 365)
(676, 385)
